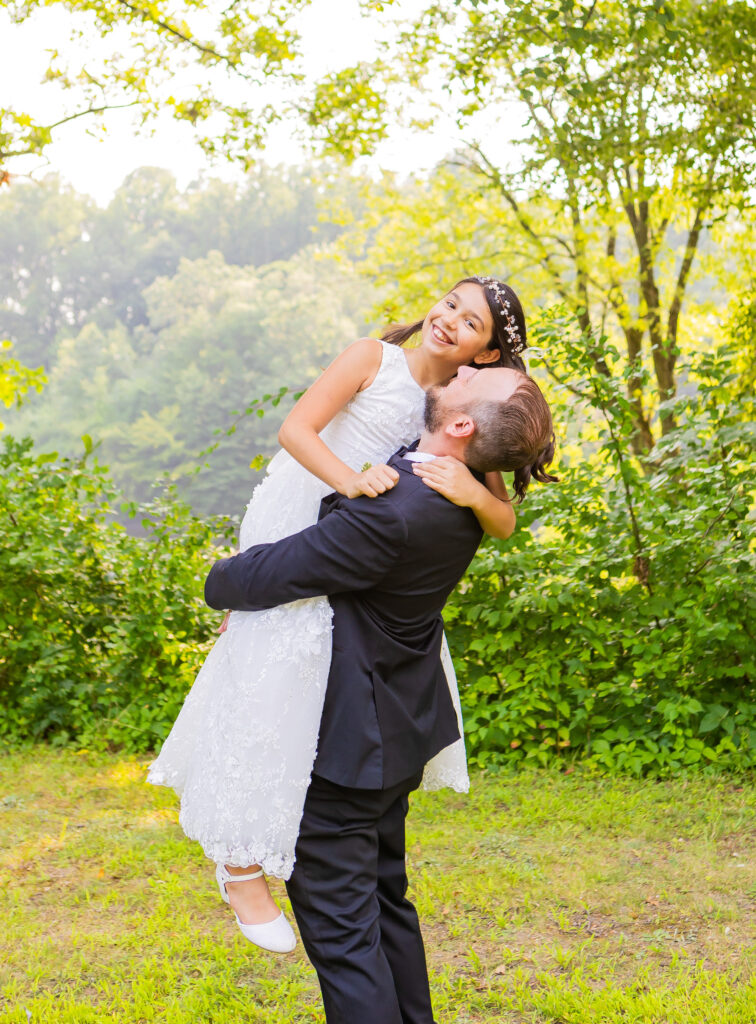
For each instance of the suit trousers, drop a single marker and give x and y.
(348, 893)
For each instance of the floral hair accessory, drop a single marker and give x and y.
(499, 292)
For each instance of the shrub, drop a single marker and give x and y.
(618, 623)
(101, 632)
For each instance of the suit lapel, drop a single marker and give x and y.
(400, 455)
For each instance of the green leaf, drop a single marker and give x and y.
(713, 718)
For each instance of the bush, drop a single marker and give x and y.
(618, 623)
(101, 632)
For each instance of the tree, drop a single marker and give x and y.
(621, 626)
(64, 262)
(412, 237)
(638, 136)
(41, 230)
(216, 338)
(163, 55)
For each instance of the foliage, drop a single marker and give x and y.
(217, 337)
(635, 136)
(175, 56)
(621, 626)
(65, 263)
(457, 227)
(742, 328)
(590, 900)
(151, 352)
(15, 378)
(101, 632)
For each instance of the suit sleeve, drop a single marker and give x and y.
(350, 549)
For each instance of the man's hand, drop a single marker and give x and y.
(451, 478)
(372, 481)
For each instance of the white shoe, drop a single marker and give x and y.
(276, 936)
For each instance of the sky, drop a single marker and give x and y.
(97, 165)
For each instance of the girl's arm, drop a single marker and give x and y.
(490, 501)
(350, 372)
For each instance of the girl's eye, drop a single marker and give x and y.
(469, 323)
(450, 304)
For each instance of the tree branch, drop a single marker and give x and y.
(91, 110)
(675, 306)
(691, 245)
(10, 154)
(641, 567)
(491, 172)
(564, 383)
(178, 34)
(589, 15)
(715, 522)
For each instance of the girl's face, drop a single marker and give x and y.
(459, 327)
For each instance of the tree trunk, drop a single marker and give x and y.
(663, 355)
(642, 440)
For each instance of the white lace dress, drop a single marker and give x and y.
(241, 751)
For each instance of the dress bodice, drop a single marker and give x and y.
(375, 422)
(380, 419)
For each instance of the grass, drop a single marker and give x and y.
(544, 897)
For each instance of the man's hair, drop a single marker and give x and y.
(516, 435)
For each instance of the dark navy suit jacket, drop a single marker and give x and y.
(388, 565)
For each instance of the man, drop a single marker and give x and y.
(388, 565)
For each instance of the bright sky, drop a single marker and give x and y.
(97, 166)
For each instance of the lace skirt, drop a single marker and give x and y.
(241, 751)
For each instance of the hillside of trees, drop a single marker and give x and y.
(157, 318)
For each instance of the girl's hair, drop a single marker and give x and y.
(509, 332)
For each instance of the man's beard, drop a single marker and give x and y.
(432, 416)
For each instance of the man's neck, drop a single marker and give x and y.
(440, 445)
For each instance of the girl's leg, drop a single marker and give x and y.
(251, 900)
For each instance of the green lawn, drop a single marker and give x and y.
(545, 897)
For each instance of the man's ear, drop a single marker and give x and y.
(461, 426)
(489, 355)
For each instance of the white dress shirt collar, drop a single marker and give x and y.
(419, 457)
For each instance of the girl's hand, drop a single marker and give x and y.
(224, 625)
(372, 481)
(451, 478)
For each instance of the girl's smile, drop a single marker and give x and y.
(459, 321)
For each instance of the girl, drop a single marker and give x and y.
(241, 751)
